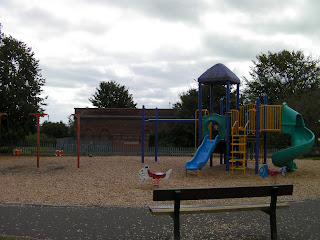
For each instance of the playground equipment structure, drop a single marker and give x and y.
(237, 127)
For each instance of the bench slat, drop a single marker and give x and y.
(221, 192)
(169, 210)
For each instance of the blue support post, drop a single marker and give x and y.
(221, 106)
(156, 138)
(228, 126)
(257, 135)
(221, 113)
(238, 108)
(265, 137)
(142, 135)
(200, 115)
(238, 97)
(211, 99)
(211, 112)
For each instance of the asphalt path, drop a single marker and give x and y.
(300, 221)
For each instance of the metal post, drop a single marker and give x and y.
(228, 126)
(211, 99)
(38, 141)
(265, 137)
(221, 113)
(200, 114)
(176, 215)
(156, 138)
(273, 216)
(211, 112)
(142, 134)
(38, 115)
(238, 97)
(78, 137)
(257, 135)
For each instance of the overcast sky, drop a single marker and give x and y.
(154, 47)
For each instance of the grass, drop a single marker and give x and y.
(33, 150)
(30, 150)
(313, 158)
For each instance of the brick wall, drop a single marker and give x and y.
(117, 126)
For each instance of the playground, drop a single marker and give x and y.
(114, 181)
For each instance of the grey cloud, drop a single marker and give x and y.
(69, 77)
(238, 49)
(257, 7)
(179, 10)
(306, 21)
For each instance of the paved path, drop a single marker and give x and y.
(301, 221)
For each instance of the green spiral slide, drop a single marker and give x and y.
(302, 138)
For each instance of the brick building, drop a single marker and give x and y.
(117, 126)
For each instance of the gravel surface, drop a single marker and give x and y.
(114, 181)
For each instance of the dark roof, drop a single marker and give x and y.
(218, 74)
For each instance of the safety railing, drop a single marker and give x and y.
(270, 117)
(244, 112)
(251, 120)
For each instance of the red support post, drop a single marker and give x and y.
(38, 115)
(78, 136)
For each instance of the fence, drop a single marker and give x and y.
(70, 149)
(48, 149)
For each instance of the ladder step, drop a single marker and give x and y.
(238, 168)
(238, 160)
(240, 152)
(238, 144)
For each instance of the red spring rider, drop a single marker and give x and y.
(145, 174)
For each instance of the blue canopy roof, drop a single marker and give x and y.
(218, 74)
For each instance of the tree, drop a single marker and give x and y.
(188, 103)
(20, 88)
(182, 134)
(50, 131)
(1, 34)
(55, 129)
(112, 95)
(282, 75)
(288, 77)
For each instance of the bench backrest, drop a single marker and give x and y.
(221, 192)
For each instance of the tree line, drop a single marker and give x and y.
(285, 76)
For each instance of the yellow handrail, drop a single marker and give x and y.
(235, 126)
(234, 116)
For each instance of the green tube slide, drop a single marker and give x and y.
(302, 138)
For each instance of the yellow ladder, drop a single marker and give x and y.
(238, 147)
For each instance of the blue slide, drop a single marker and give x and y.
(203, 153)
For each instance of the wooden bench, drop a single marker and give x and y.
(177, 195)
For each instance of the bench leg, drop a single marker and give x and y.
(176, 215)
(273, 216)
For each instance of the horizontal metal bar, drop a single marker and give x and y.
(171, 120)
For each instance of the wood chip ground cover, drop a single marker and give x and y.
(114, 180)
